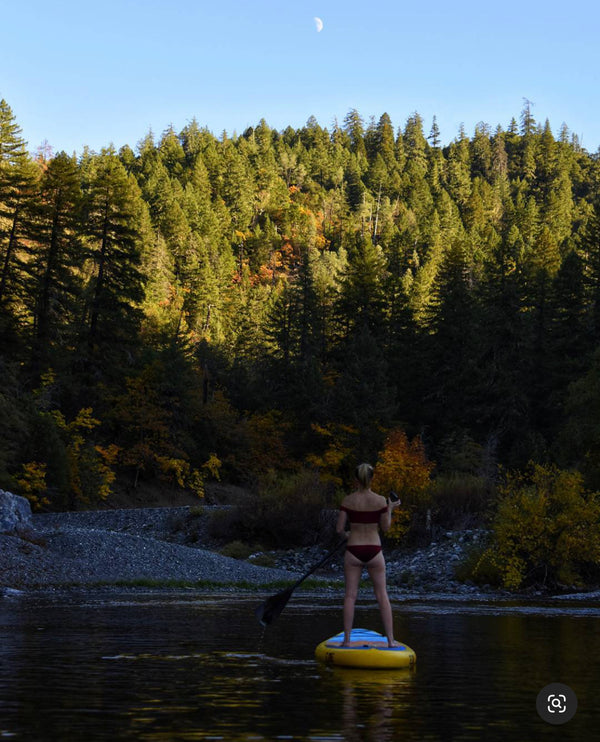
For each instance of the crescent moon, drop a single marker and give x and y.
(318, 24)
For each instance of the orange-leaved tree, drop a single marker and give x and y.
(403, 466)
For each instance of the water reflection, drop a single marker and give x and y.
(372, 702)
(188, 667)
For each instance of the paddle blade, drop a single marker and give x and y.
(268, 611)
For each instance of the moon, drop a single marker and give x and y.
(318, 24)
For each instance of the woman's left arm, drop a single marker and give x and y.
(341, 524)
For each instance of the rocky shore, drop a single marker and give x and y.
(113, 547)
(173, 546)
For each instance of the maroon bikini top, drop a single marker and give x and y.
(363, 516)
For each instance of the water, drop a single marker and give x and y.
(109, 666)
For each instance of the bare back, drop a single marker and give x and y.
(363, 501)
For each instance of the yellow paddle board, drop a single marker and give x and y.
(366, 649)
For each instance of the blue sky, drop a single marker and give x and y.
(96, 73)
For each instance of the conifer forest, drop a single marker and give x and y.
(197, 306)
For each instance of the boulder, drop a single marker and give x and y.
(15, 514)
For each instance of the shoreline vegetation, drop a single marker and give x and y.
(268, 309)
(154, 549)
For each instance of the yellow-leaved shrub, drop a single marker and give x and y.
(546, 530)
(32, 484)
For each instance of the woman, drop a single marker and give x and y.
(366, 512)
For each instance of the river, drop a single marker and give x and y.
(153, 666)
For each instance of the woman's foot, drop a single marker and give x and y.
(393, 643)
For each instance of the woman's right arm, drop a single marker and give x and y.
(385, 520)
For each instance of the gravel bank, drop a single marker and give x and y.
(115, 547)
(167, 545)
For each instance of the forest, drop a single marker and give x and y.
(296, 301)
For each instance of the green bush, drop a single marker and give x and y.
(546, 531)
(236, 550)
(284, 511)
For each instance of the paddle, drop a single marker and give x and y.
(268, 611)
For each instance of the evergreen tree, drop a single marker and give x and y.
(451, 349)
(236, 185)
(362, 397)
(459, 177)
(482, 152)
(172, 153)
(297, 328)
(116, 226)
(502, 404)
(499, 162)
(18, 180)
(434, 134)
(589, 245)
(568, 339)
(415, 147)
(384, 141)
(55, 263)
(362, 300)
(355, 129)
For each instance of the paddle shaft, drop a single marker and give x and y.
(323, 561)
(268, 611)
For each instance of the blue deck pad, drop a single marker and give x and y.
(367, 637)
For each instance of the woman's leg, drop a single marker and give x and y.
(353, 568)
(376, 569)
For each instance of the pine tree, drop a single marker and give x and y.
(172, 153)
(589, 246)
(458, 173)
(18, 181)
(55, 264)
(363, 397)
(355, 129)
(434, 134)
(415, 146)
(297, 328)
(362, 298)
(116, 226)
(569, 347)
(499, 158)
(481, 152)
(384, 141)
(504, 351)
(451, 346)
(236, 185)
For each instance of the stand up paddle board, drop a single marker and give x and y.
(367, 649)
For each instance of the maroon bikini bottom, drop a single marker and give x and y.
(364, 552)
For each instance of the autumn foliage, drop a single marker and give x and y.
(231, 307)
(546, 531)
(403, 466)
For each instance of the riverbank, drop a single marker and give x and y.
(174, 546)
(171, 547)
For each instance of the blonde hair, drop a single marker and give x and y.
(364, 474)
